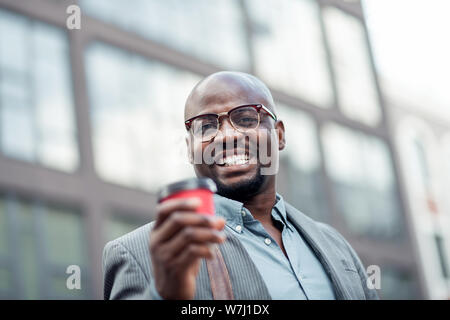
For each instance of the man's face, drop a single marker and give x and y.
(236, 155)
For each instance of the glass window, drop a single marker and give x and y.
(445, 146)
(48, 240)
(300, 180)
(27, 249)
(13, 42)
(442, 254)
(360, 168)
(210, 30)
(422, 163)
(419, 151)
(17, 130)
(5, 282)
(3, 229)
(118, 225)
(397, 284)
(137, 109)
(289, 50)
(357, 94)
(65, 243)
(64, 236)
(412, 56)
(57, 287)
(36, 110)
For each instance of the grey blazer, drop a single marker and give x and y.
(127, 267)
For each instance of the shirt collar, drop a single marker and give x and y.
(232, 210)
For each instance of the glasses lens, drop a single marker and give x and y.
(205, 127)
(244, 118)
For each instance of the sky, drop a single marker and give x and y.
(411, 45)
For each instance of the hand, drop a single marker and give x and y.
(178, 242)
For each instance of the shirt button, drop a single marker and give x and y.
(243, 212)
(268, 241)
(238, 228)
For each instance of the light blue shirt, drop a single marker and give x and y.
(300, 275)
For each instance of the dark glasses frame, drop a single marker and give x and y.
(258, 107)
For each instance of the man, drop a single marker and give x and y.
(270, 249)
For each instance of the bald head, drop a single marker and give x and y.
(227, 88)
(218, 94)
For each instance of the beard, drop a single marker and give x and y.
(242, 190)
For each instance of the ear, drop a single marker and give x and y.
(279, 126)
(189, 148)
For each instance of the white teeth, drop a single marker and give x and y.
(235, 160)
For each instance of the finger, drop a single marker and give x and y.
(179, 220)
(167, 207)
(219, 223)
(191, 235)
(192, 253)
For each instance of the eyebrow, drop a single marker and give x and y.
(205, 114)
(215, 113)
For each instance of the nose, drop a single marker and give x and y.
(225, 124)
(226, 130)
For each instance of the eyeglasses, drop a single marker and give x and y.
(242, 118)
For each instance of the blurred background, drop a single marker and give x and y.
(91, 125)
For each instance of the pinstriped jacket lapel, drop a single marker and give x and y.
(247, 282)
(313, 236)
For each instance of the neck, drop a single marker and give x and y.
(261, 204)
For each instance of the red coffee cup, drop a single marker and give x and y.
(201, 188)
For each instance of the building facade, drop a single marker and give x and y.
(91, 126)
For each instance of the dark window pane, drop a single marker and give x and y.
(440, 246)
(48, 240)
(3, 229)
(360, 167)
(5, 281)
(28, 254)
(117, 226)
(300, 178)
(58, 288)
(397, 284)
(65, 237)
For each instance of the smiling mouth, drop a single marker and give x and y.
(234, 160)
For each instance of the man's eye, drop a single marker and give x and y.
(207, 127)
(247, 121)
